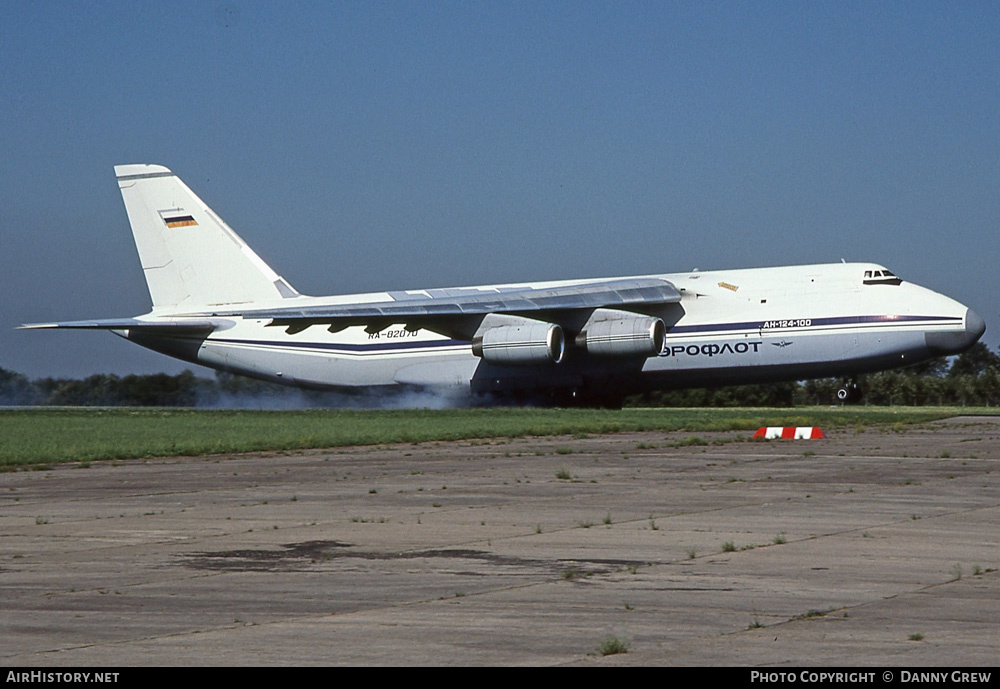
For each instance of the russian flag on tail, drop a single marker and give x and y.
(789, 432)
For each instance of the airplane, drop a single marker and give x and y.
(586, 342)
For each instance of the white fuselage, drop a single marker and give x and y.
(729, 327)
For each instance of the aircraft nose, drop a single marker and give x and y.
(941, 344)
(975, 326)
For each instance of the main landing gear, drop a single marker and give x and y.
(577, 398)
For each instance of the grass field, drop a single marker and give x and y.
(42, 436)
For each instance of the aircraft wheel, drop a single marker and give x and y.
(849, 394)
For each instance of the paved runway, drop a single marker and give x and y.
(867, 548)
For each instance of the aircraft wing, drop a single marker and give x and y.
(437, 309)
(433, 305)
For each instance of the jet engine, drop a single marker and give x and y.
(619, 333)
(515, 341)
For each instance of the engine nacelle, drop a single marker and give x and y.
(513, 341)
(619, 333)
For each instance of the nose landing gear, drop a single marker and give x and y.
(849, 393)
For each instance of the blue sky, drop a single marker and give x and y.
(364, 146)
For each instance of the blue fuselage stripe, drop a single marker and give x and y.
(367, 347)
(813, 323)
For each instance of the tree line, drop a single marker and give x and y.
(972, 379)
(157, 390)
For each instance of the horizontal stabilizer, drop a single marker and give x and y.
(178, 325)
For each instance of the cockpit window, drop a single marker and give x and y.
(881, 277)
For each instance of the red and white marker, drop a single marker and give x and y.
(789, 432)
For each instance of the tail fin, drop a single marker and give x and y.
(190, 257)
